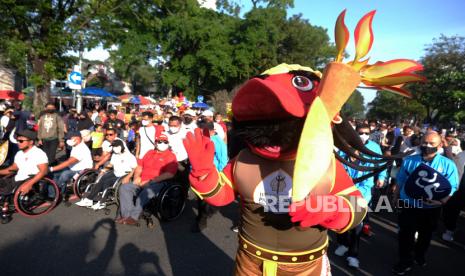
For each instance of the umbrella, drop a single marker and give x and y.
(95, 91)
(11, 95)
(200, 105)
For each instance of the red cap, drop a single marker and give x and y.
(162, 137)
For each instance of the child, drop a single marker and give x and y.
(97, 140)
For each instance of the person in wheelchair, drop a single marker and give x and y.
(123, 163)
(79, 160)
(30, 164)
(157, 166)
(110, 136)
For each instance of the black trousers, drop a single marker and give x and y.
(351, 240)
(7, 185)
(411, 220)
(106, 181)
(50, 148)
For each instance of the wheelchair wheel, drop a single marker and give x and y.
(84, 179)
(42, 198)
(171, 202)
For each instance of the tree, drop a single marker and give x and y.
(42, 32)
(354, 107)
(393, 107)
(444, 92)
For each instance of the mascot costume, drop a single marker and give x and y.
(291, 183)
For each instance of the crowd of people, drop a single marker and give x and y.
(145, 148)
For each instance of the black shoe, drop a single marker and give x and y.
(401, 269)
(420, 261)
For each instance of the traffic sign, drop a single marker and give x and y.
(75, 80)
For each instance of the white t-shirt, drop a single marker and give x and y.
(106, 145)
(145, 144)
(123, 163)
(27, 162)
(175, 142)
(219, 130)
(82, 153)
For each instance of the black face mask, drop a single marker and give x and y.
(187, 120)
(425, 150)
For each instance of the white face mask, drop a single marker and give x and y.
(174, 129)
(145, 122)
(162, 147)
(117, 150)
(71, 142)
(364, 137)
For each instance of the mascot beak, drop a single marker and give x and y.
(270, 98)
(315, 160)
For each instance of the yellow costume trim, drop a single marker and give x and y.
(285, 253)
(347, 191)
(352, 217)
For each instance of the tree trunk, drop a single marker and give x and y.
(41, 85)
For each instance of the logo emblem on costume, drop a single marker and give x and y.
(427, 183)
(274, 192)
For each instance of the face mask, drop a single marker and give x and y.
(162, 147)
(117, 150)
(364, 137)
(174, 129)
(145, 122)
(70, 142)
(425, 150)
(187, 120)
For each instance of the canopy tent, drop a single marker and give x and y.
(11, 95)
(135, 99)
(200, 105)
(95, 91)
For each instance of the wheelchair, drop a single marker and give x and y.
(168, 204)
(40, 200)
(110, 194)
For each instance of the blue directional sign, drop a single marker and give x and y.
(75, 78)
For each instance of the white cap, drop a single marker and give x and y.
(189, 112)
(207, 113)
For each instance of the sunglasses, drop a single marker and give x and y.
(361, 133)
(22, 140)
(162, 142)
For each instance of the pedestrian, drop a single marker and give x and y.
(51, 132)
(425, 182)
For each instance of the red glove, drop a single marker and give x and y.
(329, 211)
(200, 150)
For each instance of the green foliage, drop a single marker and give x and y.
(444, 92)
(389, 106)
(354, 107)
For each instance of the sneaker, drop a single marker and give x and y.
(401, 269)
(353, 262)
(448, 235)
(366, 230)
(85, 202)
(341, 250)
(98, 206)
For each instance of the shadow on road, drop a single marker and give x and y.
(194, 253)
(49, 252)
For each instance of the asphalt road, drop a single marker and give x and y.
(78, 241)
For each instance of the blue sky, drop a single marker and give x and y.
(401, 29)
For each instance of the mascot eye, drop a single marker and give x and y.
(302, 83)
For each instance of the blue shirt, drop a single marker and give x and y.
(221, 153)
(366, 185)
(440, 163)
